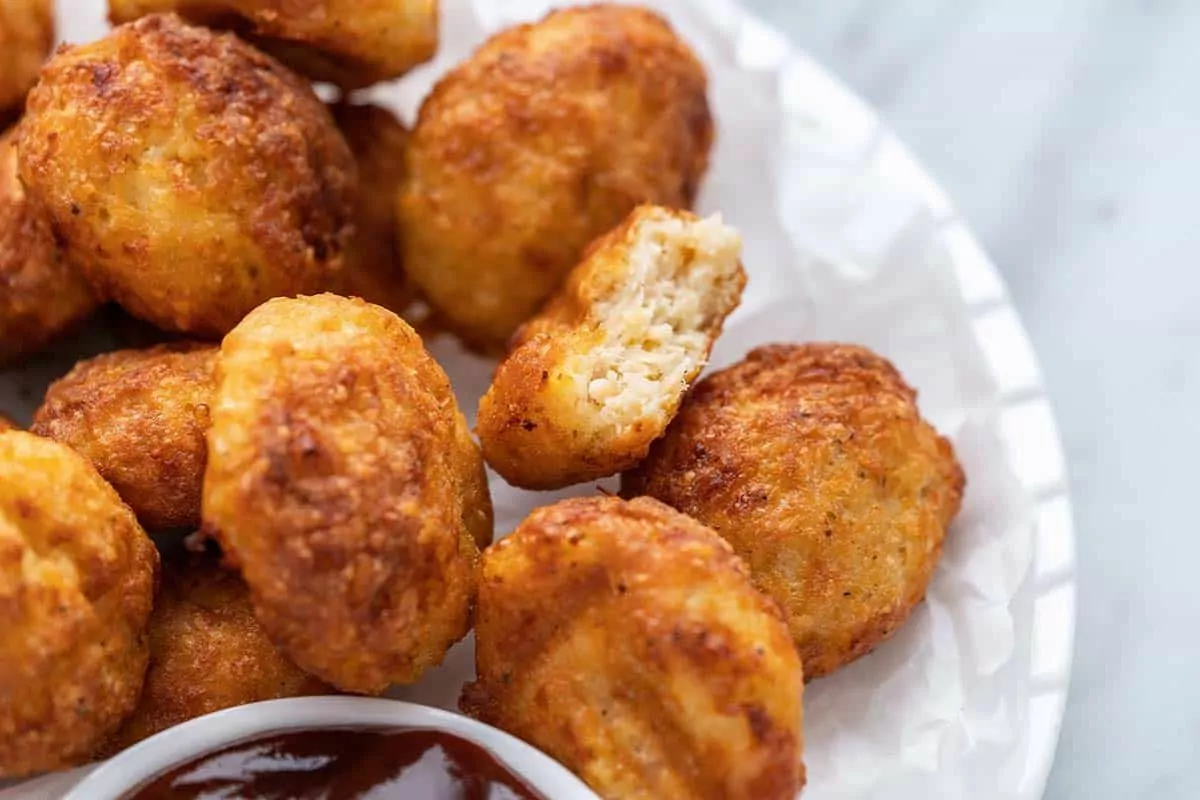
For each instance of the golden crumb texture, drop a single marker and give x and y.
(599, 373)
(813, 461)
(77, 579)
(26, 38)
(340, 482)
(351, 43)
(207, 653)
(373, 268)
(140, 416)
(626, 641)
(41, 296)
(189, 176)
(544, 139)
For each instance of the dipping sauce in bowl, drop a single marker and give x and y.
(343, 763)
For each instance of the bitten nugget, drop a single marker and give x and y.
(337, 482)
(596, 377)
(373, 270)
(207, 652)
(814, 463)
(77, 577)
(188, 175)
(626, 640)
(140, 416)
(26, 36)
(40, 295)
(353, 43)
(547, 137)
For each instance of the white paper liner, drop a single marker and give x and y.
(840, 244)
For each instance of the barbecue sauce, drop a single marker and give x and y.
(343, 764)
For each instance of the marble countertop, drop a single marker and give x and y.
(1066, 131)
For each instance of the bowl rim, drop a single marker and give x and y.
(133, 767)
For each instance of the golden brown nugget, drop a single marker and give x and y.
(140, 416)
(26, 38)
(547, 137)
(353, 43)
(188, 175)
(597, 376)
(41, 296)
(337, 483)
(373, 270)
(626, 640)
(7, 424)
(814, 463)
(207, 653)
(77, 578)
(478, 515)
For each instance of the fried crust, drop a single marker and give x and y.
(813, 461)
(140, 416)
(188, 175)
(337, 484)
(26, 38)
(627, 642)
(77, 579)
(547, 137)
(207, 653)
(352, 43)
(41, 296)
(373, 270)
(539, 426)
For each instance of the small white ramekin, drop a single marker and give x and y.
(158, 754)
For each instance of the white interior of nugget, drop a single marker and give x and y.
(682, 278)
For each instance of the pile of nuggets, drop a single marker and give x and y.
(776, 520)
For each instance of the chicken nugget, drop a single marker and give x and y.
(207, 652)
(7, 424)
(596, 377)
(547, 137)
(626, 640)
(141, 417)
(373, 268)
(337, 483)
(77, 579)
(189, 176)
(26, 37)
(813, 461)
(41, 296)
(478, 515)
(352, 43)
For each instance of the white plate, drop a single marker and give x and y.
(848, 238)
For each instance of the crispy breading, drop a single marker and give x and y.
(353, 43)
(77, 578)
(337, 483)
(597, 376)
(207, 652)
(813, 461)
(477, 514)
(545, 138)
(188, 175)
(41, 296)
(26, 38)
(140, 416)
(373, 270)
(626, 641)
